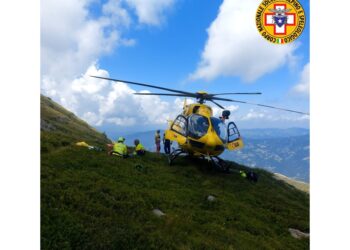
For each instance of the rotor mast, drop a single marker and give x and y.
(201, 96)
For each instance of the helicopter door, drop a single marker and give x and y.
(178, 130)
(234, 140)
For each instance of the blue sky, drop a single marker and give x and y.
(189, 45)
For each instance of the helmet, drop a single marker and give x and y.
(121, 139)
(226, 114)
(137, 141)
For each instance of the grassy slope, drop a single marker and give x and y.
(60, 127)
(92, 201)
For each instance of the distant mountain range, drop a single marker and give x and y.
(285, 155)
(265, 133)
(284, 151)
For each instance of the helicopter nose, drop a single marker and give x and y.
(211, 142)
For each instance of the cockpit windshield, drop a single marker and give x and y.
(197, 126)
(220, 128)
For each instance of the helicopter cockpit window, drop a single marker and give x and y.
(220, 128)
(197, 126)
(180, 125)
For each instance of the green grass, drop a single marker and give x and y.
(93, 201)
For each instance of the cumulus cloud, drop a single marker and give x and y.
(72, 41)
(302, 88)
(217, 112)
(235, 48)
(88, 84)
(253, 115)
(91, 118)
(150, 11)
(72, 38)
(121, 107)
(102, 102)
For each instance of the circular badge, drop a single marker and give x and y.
(280, 21)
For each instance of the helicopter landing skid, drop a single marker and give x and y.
(173, 155)
(220, 164)
(217, 162)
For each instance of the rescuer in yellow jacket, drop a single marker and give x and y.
(120, 148)
(139, 148)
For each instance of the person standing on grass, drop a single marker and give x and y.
(166, 143)
(157, 141)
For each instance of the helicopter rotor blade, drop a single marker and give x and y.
(164, 94)
(238, 93)
(217, 104)
(261, 105)
(209, 97)
(220, 99)
(147, 85)
(272, 107)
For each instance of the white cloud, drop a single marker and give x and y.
(302, 88)
(117, 14)
(217, 112)
(88, 84)
(253, 115)
(269, 115)
(101, 102)
(235, 48)
(72, 41)
(125, 121)
(91, 118)
(150, 11)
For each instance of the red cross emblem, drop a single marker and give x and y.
(279, 30)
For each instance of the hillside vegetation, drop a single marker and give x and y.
(59, 127)
(93, 201)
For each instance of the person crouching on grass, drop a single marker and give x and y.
(119, 148)
(139, 148)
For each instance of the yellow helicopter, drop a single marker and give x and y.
(196, 131)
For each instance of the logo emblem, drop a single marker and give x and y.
(280, 21)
